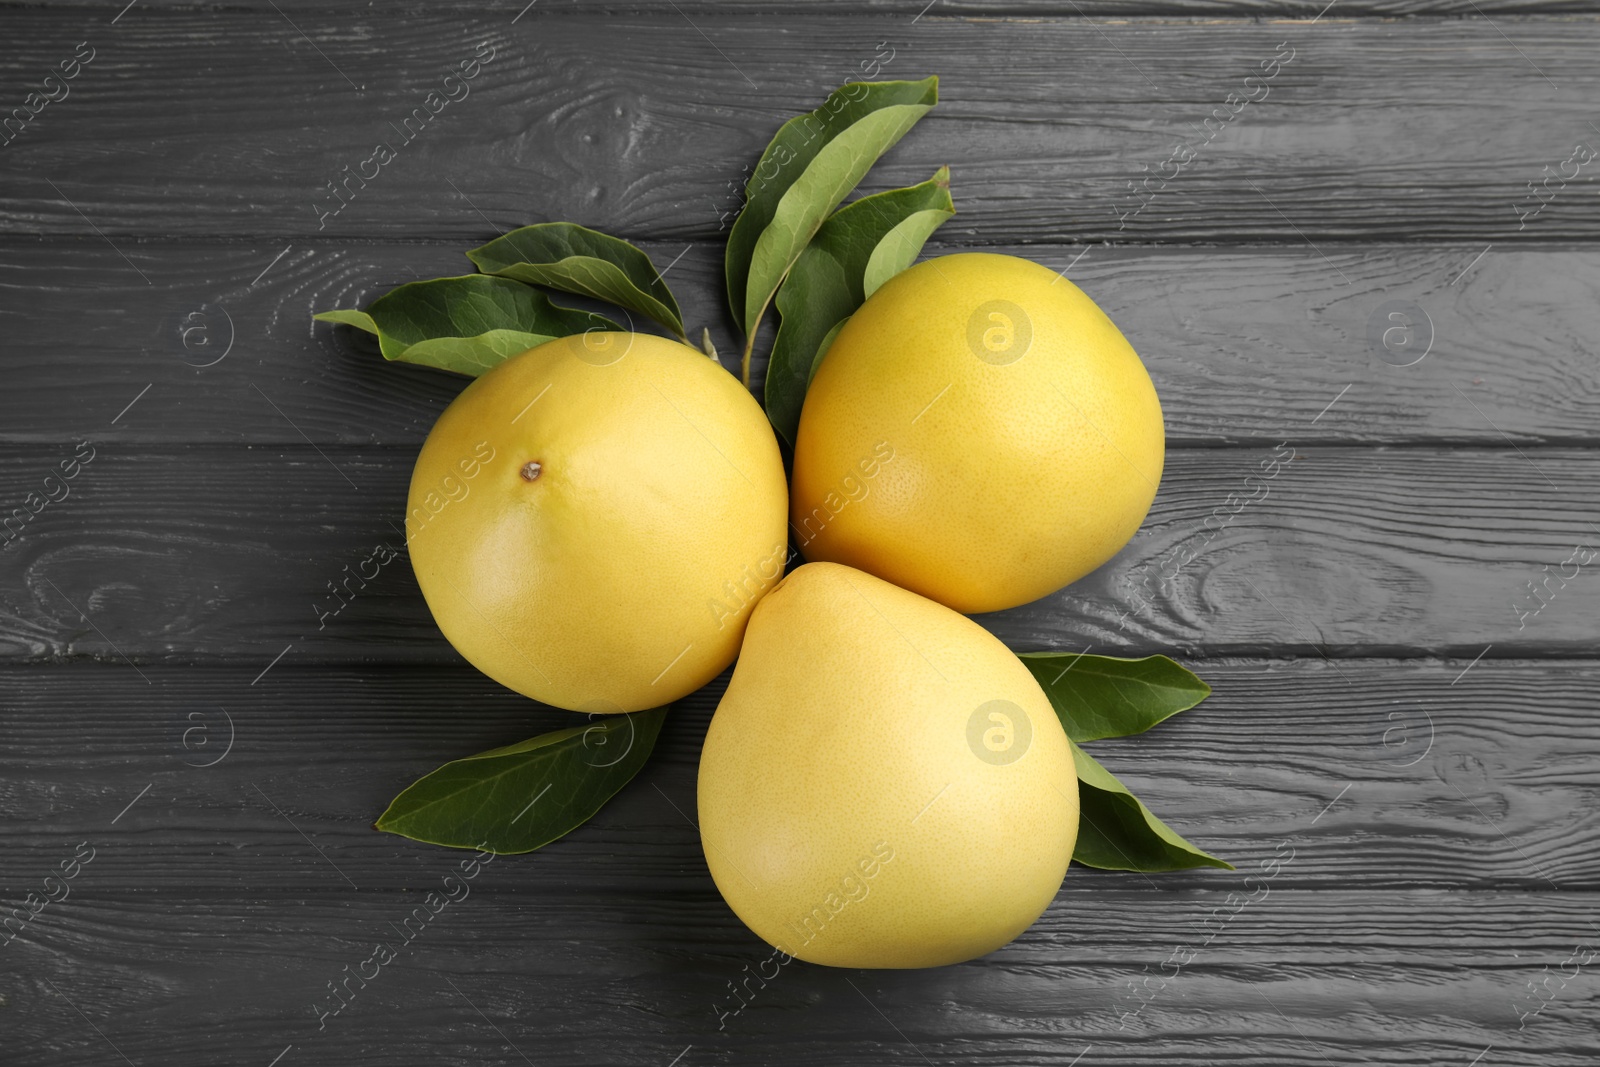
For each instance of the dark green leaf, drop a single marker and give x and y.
(524, 796)
(574, 259)
(811, 165)
(857, 249)
(466, 324)
(1104, 696)
(1116, 832)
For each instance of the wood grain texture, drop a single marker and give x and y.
(1336, 977)
(1377, 130)
(199, 553)
(1388, 703)
(1242, 343)
(1383, 774)
(892, 11)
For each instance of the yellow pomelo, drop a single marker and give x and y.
(592, 521)
(979, 432)
(883, 784)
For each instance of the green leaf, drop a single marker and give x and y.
(857, 249)
(524, 796)
(901, 245)
(1104, 696)
(473, 355)
(574, 259)
(811, 165)
(350, 317)
(466, 324)
(1116, 832)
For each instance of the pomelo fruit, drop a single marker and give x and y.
(979, 432)
(884, 784)
(592, 521)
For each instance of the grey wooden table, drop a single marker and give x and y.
(1345, 259)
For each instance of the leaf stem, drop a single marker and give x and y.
(744, 360)
(750, 340)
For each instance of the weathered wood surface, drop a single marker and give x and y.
(707, 12)
(1376, 129)
(1243, 343)
(1387, 701)
(195, 553)
(1385, 774)
(1293, 978)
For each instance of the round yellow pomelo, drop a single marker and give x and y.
(979, 432)
(592, 521)
(884, 784)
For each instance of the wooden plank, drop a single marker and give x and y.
(708, 13)
(1336, 977)
(1380, 773)
(200, 553)
(1242, 343)
(246, 121)
(1433, 779)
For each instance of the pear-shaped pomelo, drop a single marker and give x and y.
(884, 784)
